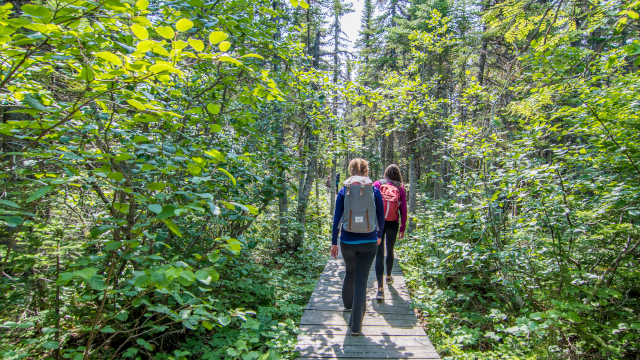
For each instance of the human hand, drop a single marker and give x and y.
(401, 235)
(334, 251)
(379, 241)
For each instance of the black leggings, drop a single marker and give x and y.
(390, 232)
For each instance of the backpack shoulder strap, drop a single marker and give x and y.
(382, 181)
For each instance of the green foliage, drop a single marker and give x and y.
(137, 154)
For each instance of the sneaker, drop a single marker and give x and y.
(346, 309)
(380, 295)
(390, 279)
(355, 333)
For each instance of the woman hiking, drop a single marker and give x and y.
(360, 218)
(395, 203)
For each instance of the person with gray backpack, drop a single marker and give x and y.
(359, 217)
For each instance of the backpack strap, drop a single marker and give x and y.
(382, 181)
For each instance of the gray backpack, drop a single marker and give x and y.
(359, 214)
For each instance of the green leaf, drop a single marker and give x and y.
(37, 11)
(196, 44)
(167, 212)
(97, 231)
(34, 103)
(224, 46)
(142, 4)
(229, 59)
(233, 180)
(224, 320)
(87, 73)
(214, 109)
(207, 325)
(188, 275)
(303, 4)
(184, 24)
(136, 104)
(173, 227)
(166, 32)
(97, 283)
(142, 281)
(162, 67)
(194, 169)
(112, 245)
(253, 56)
(139, 31)
(294, 3)
(9, 203)
(40, 193)
(12, 221)
(85, 273)
(156, 186)
(213, 257)
(51, 344)
(217, 36)
(573, 316)
(214, 153)
(117, 176)
(112, 58)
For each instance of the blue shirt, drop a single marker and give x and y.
(357, 238)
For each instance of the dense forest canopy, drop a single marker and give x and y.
(168, 171)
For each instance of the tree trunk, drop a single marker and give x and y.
(413, 180)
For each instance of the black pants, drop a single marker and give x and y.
(389, 236)
(358, 259)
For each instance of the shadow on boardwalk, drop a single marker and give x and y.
(390, 329)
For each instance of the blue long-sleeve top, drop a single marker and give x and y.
(357, 238)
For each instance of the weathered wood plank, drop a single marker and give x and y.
(373, 306)
(348, 340)
(319, 317)
(336, 295)
(366, 330)
(367, 351)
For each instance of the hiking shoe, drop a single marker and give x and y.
(355, 333)
(346, 309)
(389, 279)
(380, 295)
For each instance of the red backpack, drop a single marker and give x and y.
(391, 199)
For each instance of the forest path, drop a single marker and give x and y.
(390, 330)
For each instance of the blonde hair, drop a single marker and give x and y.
(358, 167)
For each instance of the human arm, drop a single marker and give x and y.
(379, 211)
(403, 211)
(337, 216)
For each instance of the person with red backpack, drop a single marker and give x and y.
(395, 208)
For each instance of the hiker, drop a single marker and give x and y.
(360, 217)
(395, 203)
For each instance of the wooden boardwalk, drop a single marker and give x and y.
(390, 329)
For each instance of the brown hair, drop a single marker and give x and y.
(393, 173)
(358, 167)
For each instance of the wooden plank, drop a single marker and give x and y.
(336, 295)
(368, 351)
(366, 330)
(374, 306)
(322, 317)
(348, 340)
(392, 320)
